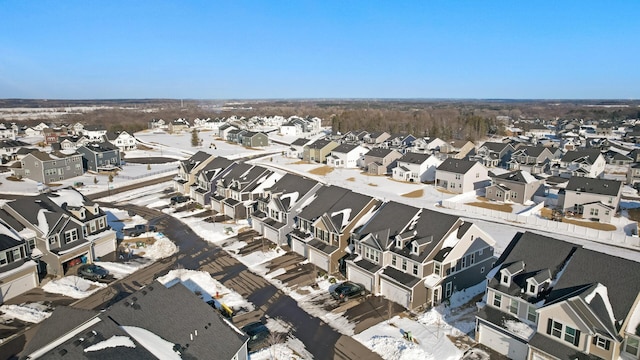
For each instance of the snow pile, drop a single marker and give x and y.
(156, 345)
(32, 312)
(201, 283)
(519, 328)
(160, 249)
(73, 286)
(112, 342)
(121, 270)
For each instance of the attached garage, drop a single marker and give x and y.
(299, 247)
(104, 247)
(359, 276)
(272, 234)
(395, 293)
(319, 259)
(501, 343)
(18, 283)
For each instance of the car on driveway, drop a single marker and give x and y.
(138, 230)
(179, 199)
(92, 272)
(258, 335)
(347, 290)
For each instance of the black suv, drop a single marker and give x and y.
(138, 230)
(179, 199)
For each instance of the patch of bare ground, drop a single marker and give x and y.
(300, 162)
(483, 203)
(143, 147)
(365, 173)
(445, 191)
(13, 178)
(372, 184)
(548, 214)
(634, 214)
(321, 170)
(351, 179)
(414, 194)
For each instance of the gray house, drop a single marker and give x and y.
(48, 168)
(460, 176)
(18, 273)
(155, 320)
(593, 198)
(533, 159)
(254, 139)
(102, 156)
(517, 186)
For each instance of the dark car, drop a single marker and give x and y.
(347, 290)
(258, 335)
(92, 272)
(179, 199)
(138, 230)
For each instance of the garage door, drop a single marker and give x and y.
(322, 262)
(395, 293)
(18, 286)
(257, 225)
(299, 247)
(271, 234)
(104, 248)
(502, 343)
(356, 275)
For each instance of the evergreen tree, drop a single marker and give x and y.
(195, 140)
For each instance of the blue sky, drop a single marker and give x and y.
(319, 49)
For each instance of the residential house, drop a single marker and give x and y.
(8, 131)
(493, 154)
(532, 159)
(296, 126)
(418, 257)
(376, 137)
(545, 299)
(539, 131)
(157, 124)
(460, 176)
(583, 162)
(456, 149)
(77, 128)
(516, 186)
(325, 223)
(355, 136)
(67, 228)
(279, 205)
(224, 129)
(633, 174)
(235, 135)
(379, 161)
(187, 169)
(592, 198)
(426, 145)
(613, 157)
(318, 150)
(237, 190)
(414, 167)
(51, 134)
(253, 139)
(296, 148)
(94, 132)
(102, 156)
(213, 124)
(206, 179)
(18, 273)
(48, 168)
(122, 139)
(178, 125)
(9, 148)
(399, 141)
(346, 156)
(166, 321)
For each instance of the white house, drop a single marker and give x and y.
(123, 140)
(346, 156)
(414, 167)
(460, 176)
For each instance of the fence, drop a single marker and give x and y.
(148, 174)
(536, 222)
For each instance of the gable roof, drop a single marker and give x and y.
(589, 155)
(495, 146)
(324, 198)
(518, 176)
(456, 166)
(379, 152)
(387, 222)
(594, 185)
(414, 158)
(344, 148)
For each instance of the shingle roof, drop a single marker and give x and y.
(456, 166)
(414, 158)
(589, 154)
(344, 148)
(325, 197)
(594, 186)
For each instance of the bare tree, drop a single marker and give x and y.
(274, 339)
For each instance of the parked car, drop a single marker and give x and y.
(92, 272)
(258, 335)
(347, 290)
(179, 199)
(138, 230)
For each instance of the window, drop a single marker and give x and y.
(52, 240)
(556, 329)
(480, 251)
(594, 212)
(570, 335)
(497, 300)
(513, 307)
(505, 279)
(393, 260)
(531, 314)
(457, 176)
(437, 268)
(415, 269)
(602, 343)
(631, 345)
(404, 264)
(473, 258)
(482, 270)
(70, 236)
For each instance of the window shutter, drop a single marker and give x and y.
(577, 339)
(549, 324)
(607, 344)
(594, 341)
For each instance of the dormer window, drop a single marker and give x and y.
(505, 279)
(532, 289)
(414, 248)
(399, 243)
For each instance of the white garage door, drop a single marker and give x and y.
(257, 225)
(299, 247)
(104, 248)
(322, 262)
(395, 293)
(18, 286)
(271, 234)
(355, 275)
(502, 343)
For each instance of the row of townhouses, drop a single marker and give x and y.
(46, 234)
